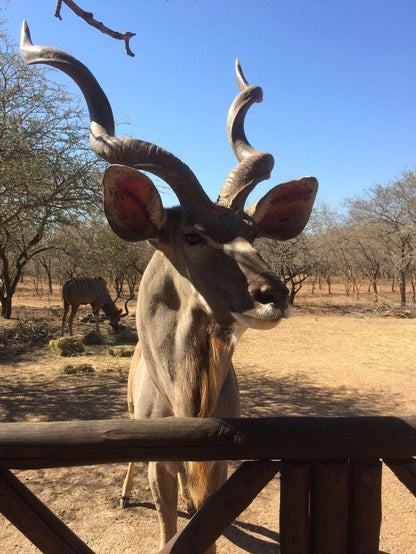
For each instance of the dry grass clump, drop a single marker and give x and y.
(122, 351)
(122, 334)
(81, 369)
(92, 337)
(125, 334)
(111, 331)
(67, 346)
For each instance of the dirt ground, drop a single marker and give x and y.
(333, 357)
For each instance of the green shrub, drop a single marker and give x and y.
(25, 335)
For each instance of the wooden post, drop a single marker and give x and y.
(35, 520)
(365, 506)
(294, 508)
(329, 507)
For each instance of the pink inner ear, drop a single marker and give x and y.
(282, 211)
(286, 210)
(132, 205)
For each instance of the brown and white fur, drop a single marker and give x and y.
(205, 284)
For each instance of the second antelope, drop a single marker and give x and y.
(88, 290)
(205, 285)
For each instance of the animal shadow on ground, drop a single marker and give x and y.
(236, 533)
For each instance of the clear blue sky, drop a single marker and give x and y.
(339, 81)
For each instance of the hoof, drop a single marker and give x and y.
(123, 502)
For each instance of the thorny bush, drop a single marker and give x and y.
(24, 335)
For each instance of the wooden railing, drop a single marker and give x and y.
(330, 470)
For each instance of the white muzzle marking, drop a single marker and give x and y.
(265, 316)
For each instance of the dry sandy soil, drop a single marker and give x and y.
(336, 357)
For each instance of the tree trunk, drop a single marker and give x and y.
(50, 285)
(6, 307)
(402, 288)
(47, 267)
(374, 287)
(413, 290)
(328, 282)
(9, 288)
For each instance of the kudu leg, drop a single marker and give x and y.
(217, 477)
(97, 328)
(128, 481)
(184, 492)
(164, 486)
(74, 310)
(127, 486)
(66, 308)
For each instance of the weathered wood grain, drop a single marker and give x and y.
(42, 445)
(365, 506)
(295, 483)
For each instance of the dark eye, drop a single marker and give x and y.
(193, 239)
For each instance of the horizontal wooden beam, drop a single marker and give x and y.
(72, 443)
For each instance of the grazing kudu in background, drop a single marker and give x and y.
(88, 290)
(205, 284)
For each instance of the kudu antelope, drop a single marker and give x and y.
(205, 284)
(88, 290)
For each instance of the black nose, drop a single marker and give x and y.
(272, 294)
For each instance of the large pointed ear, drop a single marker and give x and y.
(132, 204)
(284, 211)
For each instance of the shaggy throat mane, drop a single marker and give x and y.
(206, 373)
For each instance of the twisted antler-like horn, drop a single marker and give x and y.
(254, 166)
(118, 150)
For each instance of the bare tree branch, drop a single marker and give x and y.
(89, 18)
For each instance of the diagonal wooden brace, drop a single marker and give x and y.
(222, 508)
(41, 526)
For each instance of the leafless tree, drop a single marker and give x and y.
(323, 229)
(390, 211)
(44, 179)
